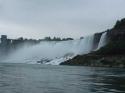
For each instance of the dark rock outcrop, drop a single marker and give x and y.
(111, 55)
(97, 60)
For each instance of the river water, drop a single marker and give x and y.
(36, 78)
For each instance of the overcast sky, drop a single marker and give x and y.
(63, 18)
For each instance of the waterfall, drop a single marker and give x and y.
(86, 45)
(102, 41)
(52, 52)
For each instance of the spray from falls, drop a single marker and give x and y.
(53, 52)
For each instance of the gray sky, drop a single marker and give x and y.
(63, 18)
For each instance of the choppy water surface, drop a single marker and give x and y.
(30, 78)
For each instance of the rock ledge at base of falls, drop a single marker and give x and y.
(110, 55)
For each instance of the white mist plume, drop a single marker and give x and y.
(55, 51)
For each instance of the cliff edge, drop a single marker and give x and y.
(110, 55)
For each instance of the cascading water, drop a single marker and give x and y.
(102, 41)
(52, 52)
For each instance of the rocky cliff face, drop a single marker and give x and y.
(111, 55)
(115, 40)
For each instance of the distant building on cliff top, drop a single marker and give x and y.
(4, 41)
